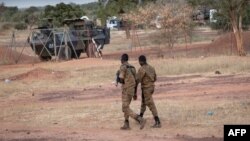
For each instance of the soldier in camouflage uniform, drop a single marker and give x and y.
(146, 76)
(126, 77)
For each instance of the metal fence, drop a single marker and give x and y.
(56, 43)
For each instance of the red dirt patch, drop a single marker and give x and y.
(226, 44)
(223, 45)
(9, 56)
(39, 73)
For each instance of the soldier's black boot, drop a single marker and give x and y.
(141, 114)
(157, 122)
(126, 125)
(141, 121)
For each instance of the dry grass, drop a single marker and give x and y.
(200, 113)
(82, 76)
(224, 64)
(178, 114)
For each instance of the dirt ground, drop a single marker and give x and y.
(191, 107)
(76, 100)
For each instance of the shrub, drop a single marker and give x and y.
(20, 26)
(6, 26)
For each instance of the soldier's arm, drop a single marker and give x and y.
(136, 85)
(117, 77)
(140, 75)
(135, 95)
(155, 75)
(122, 74)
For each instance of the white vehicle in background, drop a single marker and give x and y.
(212, 12)
(113, 23)
(158, 22)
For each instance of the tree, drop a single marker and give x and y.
(32, 15)
(90, 9)
(109, 8)
(235, 12)
(7, 13)
(202, 3)
(174, 19)
(2, 8)
(63, 11)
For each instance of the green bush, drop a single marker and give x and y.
(20, 26)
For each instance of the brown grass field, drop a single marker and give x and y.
(76, 100)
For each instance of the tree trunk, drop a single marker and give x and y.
(239, 43)
(127, 31)
(238, 33)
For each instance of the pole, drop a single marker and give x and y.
(186, 43)
(231, 43)
(66, 44)
(56, 53)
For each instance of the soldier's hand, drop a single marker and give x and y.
(135, 97)
(117, 73)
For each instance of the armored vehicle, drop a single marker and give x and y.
(78, 36)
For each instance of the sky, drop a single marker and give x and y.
(37, 3)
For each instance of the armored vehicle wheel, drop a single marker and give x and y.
(45, 58)
(76, 54)
(91, 50)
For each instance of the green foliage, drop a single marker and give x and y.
(223, 15)
(32, 9)
(118, 7)
(20, 16)
(90, 9)
(7, 13)
(246, 20)
(197, 3)
(13, 14)
(62, 11)
(20, 26)
(114, 8)
(223, 22)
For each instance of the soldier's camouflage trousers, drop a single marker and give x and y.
(127, 95)
(147, 100)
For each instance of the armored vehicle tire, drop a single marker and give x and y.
(76, 54)
(45, 58)
(90, 50)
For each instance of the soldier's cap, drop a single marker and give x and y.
(142, 58)
(124, 57)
